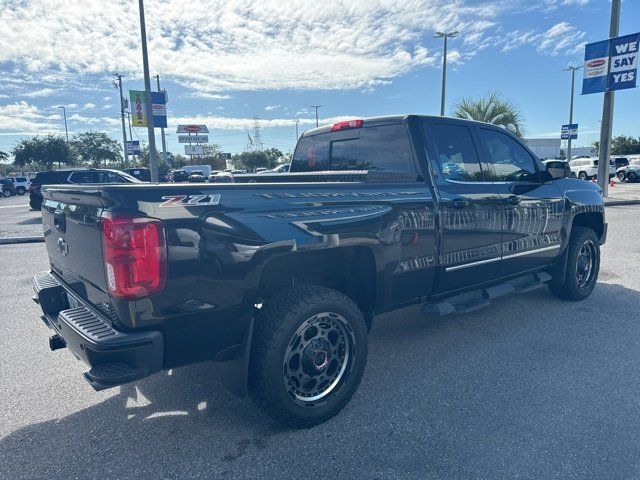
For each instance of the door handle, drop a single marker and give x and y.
(459, 203)
(512, 200)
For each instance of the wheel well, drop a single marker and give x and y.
(592, 220)
(350, 270)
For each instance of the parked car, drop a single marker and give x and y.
(281, 281)
(141, 173)
(196, 176)
(587, 168)
(212, 175)
(629, 173)
(8, 187)
(279, 169)
(21, 184)
(73, 176)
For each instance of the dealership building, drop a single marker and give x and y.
(551, 148)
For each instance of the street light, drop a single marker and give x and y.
(572, 69)
(64, 113)
(316, 107)
(444, 35)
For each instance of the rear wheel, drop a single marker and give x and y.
(621, 176)
(632, 177)
(21, 191)
(582, 176)
(308, 354)
(583, 265)
(6, 193)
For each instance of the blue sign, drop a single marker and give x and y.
(611, 64)
(133, 148)
(569, 131)
(159, 106)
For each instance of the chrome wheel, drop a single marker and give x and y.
(318, 358)
(586, 264)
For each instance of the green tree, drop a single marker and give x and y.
(274, 157)
(624, 145)
(3, 156)
(250, 160)
(213, 156)
(491, 109)
(596, 147)
(96, 148)
(42, 151)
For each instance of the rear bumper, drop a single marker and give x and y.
(114, 357)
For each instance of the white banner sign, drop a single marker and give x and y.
(194, 149)
(193, 138)
(192, 129)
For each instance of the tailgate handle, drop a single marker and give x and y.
(60, 220)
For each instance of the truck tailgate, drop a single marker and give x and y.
(71, 224)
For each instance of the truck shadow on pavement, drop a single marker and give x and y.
(512, 371)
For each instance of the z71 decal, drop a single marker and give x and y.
(190, 200)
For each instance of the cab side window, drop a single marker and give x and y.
(456, 153)
(508, 160)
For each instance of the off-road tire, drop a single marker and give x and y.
(571, 288)
(276, 326)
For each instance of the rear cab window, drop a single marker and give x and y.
(380, 148)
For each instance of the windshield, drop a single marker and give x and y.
(129, 178)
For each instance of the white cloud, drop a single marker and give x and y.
(268, 108)
(42, 92)
(561, 38)
(232, 123)
(218, 46)
(207, 95)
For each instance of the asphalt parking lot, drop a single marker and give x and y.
(16, 220)
(530, 387)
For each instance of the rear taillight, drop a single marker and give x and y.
(135, 256)
(346, 125)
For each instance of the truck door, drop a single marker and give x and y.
(532, 209)
(468, 206)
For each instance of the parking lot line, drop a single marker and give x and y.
(13, 206)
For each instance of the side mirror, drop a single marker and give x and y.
(557, 169)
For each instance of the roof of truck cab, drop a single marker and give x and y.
(384, 120)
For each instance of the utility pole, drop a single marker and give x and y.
(124, 130)
(296, 121)
(607, 111)
(445, 35)
(64, 113)
(131, 137)
(316, 107)
(164, 142)
(573, 75)
(153, 158)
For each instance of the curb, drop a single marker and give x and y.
(14, 240)
(616, 203)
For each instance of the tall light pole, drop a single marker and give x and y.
(124, 130)
(164, 141)
(316, 107)
(297, 122)
(573, 76)
(153, 158)
(64, 114)
(445, 35)
(607, 111)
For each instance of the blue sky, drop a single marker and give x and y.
(225, 62)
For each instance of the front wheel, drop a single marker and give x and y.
(6, 193)
(21, 191)
(621, 176)
(583, 266)
(308, 354)
(582, 176)
(632, 177)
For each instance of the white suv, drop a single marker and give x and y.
(21, 184)
(587, 168)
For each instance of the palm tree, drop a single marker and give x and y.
(3, 156)
(492, 109)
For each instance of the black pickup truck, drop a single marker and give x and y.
(281, 280)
